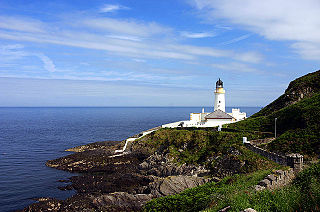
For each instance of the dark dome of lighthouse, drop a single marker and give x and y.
(219, 84)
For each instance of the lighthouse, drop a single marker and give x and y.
(216, 118)
(219, 97)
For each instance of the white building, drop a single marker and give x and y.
(217, 118)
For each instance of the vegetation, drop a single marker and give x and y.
(238, 192)
(298, 125)
(300, 88)
(206, 147)
(211, 194)
(298, 128)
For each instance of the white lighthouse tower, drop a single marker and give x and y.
(219, 97)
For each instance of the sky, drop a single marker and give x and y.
(154, 53)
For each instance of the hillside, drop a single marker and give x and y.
(237, 193)
(298, 118)
(298, 89)
(221, 153)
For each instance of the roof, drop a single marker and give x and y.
(218, 114)
(219, 84)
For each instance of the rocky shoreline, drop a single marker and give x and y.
(124, 183)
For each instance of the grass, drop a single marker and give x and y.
(212, 194)
(206, 147)
(237, 191)
(298, 127)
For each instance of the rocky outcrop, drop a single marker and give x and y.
(162, 165)
(107, 146)
(123, 183)
(124, 201)
(121, 201)
(228, 164)
(174, 184)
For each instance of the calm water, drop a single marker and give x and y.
(31, 136)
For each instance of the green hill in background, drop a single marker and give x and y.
(298, 118)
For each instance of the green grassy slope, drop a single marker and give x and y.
(205, 147)
(237, 191)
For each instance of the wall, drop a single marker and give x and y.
(237, 114)
(277, 179)
(295, 161)
(217, 122)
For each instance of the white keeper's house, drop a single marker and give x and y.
(217, 118)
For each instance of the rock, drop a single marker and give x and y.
(227, 165)
(123, 183)
(249, 210)
(144, 165)
(45, 204)
(259, 188)
(265, 183)
(174, 184)
(105, 145)
(271, 178)
(162, 165)
(225, 209)
(121, 201)
(134, 201)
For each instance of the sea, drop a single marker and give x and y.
(32, 135)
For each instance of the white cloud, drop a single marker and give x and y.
(250, 57)
(11, 52)
(197, 34)
(16, 51)
(292, 20)
(47, 62)
(240, 38)
(139, 60)
(107, 8)
(235, 67)
(308, 50)
(21, 24)
(127, 27)
(123, 37)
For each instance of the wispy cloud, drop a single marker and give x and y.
(15, 52)
(123, 38)
(47, 63)
(249, 57)
(235, 67)
(124, 26)
(197, 34)
(235, 40)
(108, 8)
(11, 52)
(21, 24)
(139, 60)
(290, 20)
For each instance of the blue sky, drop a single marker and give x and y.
(154, 53)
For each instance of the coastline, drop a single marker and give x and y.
(122, 183)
